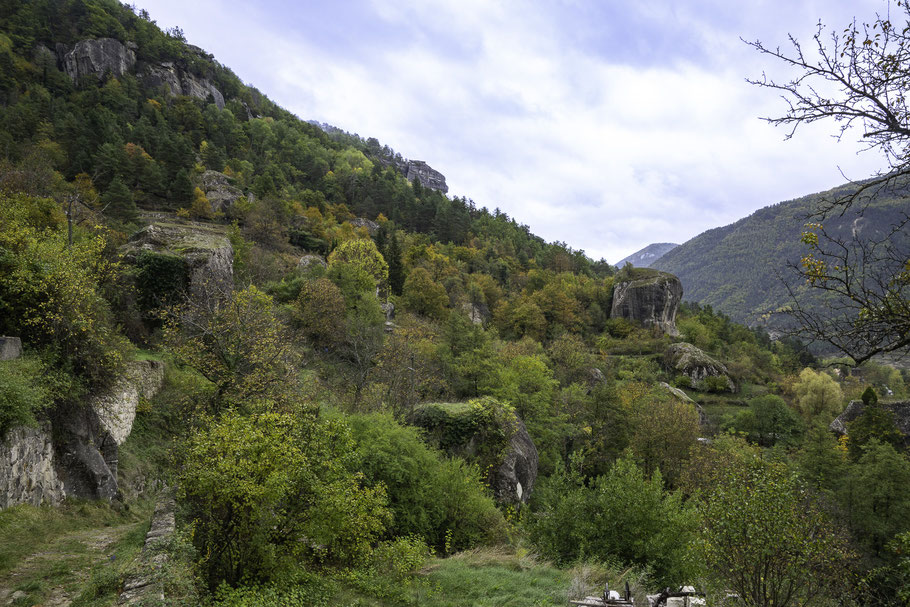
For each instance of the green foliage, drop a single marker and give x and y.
(819, 397)
(422, 295)
(269, 492)
(437, 498)
(161, 280)
(24, 392)
(874, 424)
(768, 421)
(869, 397)
(622, 515)
(320, 312)
(764, 538)
(363, 254)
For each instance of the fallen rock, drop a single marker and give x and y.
(686, 359)
(10, 348)
(488, 434)
(96, 57)
(649, 297)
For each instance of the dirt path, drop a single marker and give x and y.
(55, 573)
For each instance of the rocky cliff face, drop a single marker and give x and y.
(96, 57)
(219, 191)
(648, 297)
(425, 174)
(204, 247)
(76, 453)
(180, 82)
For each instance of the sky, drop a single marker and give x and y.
(606, 125)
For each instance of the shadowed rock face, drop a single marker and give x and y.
(900, 410)
(651, 298)
(690, 361)
(10, 348)
(95, 57)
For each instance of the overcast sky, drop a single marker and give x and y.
(602, 123)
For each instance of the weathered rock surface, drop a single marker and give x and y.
(388, 308)
(900, 410)
(205, 248)
(650, 298)
(10, 348)
(692, 362)
(96, 57)
(219, 191)
(27, 474)
(310, 259)
(478, 313)
(485, 433)
(683, 397)
(180, 82)
(425, 174)
(90, 437)
(360, 222)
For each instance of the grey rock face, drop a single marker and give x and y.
(311, 259)
(690, 361)
(360, 222)
(145, 585)
(514, 479)
(95, 57)
(900, 410)
(91, 436)
(219, 191)
(388, 308)
(10, 348)
(478, 313)
(180, 82)
(651, 300)
(27, 473)
(426, 175)
(205, 248)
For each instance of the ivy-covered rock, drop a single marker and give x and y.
(488, 434)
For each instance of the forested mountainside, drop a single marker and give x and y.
(344, 388)
(741, 269)
(645, 257)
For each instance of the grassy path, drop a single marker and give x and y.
(75, 555)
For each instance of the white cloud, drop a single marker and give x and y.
(607, 156)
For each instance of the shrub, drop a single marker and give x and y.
(269, 492)
(22, 393)
(430, 496)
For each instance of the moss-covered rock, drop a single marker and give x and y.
(488, 434)
(704, 372)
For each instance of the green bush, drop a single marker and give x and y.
(161, 279)
(23, 392)
(621, 516)
(431, 496)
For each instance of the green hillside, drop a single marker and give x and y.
(741, 269)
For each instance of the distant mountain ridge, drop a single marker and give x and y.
(739, 269)
(648, 255)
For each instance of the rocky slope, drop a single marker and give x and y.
(645, 257)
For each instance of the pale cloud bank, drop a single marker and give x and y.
(601, 124)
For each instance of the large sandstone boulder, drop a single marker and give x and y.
(900, 410)
(489, 434)
(649, 297)
(205, 248)
(95, 57)
(686, 359)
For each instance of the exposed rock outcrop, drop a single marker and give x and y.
(178, 81)
(683, 397)
(10, 348)
(96, 57)
(478, 313)
(360, 222)
(88, 449)
(490, 435)
(311, 259)
(219, 191)
(648, 297)
(27, 473)
(425, 174)
(686, 359)
(900, 410)
(205, 248)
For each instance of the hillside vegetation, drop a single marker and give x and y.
(379, 395)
